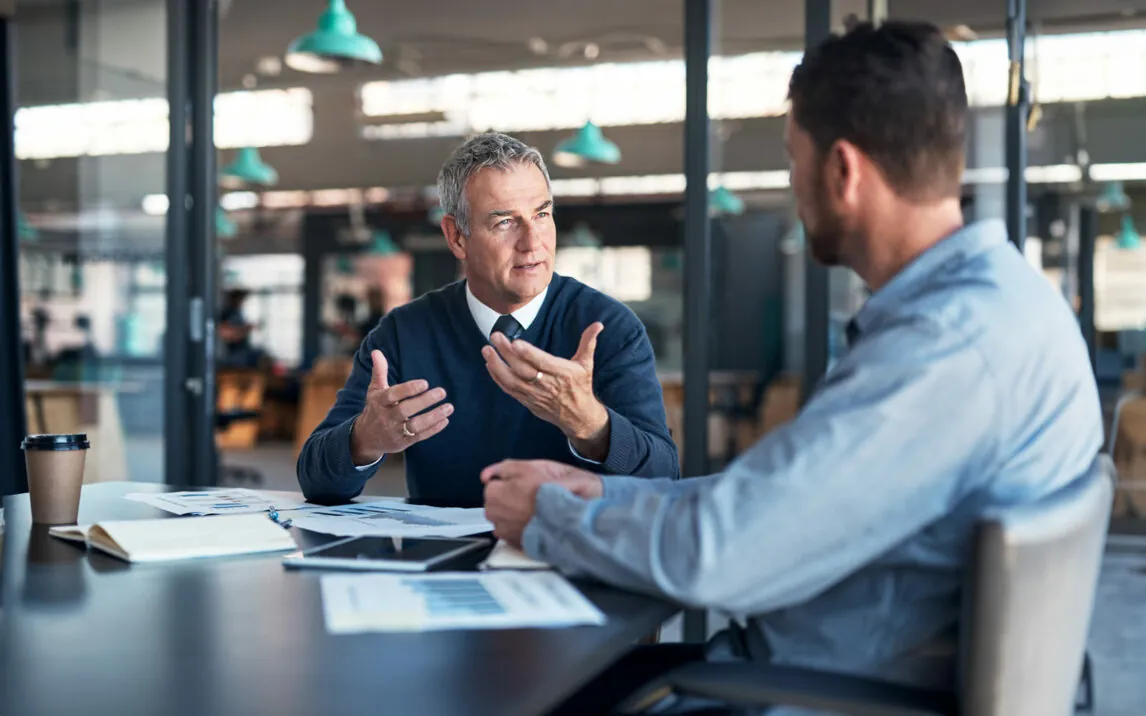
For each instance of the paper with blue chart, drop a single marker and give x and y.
(393, 518)
(231, 501)
(378, 516)
(358, 603)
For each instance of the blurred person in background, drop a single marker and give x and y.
(841, 539)
(512, 361)
(235, 332)
(375, 310)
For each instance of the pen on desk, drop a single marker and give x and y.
(273, 514)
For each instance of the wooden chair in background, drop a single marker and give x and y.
(239, 390)
(319, 390)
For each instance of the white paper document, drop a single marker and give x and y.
(392, 518)
(502, 556)
(430, 602)
(219, 502)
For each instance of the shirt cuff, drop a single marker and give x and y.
(555, 509)
(581, 457)
(371, 466)
(614, 487)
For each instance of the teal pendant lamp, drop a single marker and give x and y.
(722, 202)
(248, 168)
(588, 145)
(25, 231)
(1112, 198)
(335, 44)
(583, 235)
(382, 245)
(224, 227)
(1128, 237)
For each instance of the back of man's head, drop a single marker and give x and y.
(896, 93)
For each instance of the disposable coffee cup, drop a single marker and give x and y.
(55, 476)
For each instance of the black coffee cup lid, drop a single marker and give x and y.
(75, 441)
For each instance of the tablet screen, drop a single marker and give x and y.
(391, 549)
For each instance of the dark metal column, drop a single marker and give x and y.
(313, 257)
(13, 424)
(1018, 103)
(698, 42)
(204, 265)
(176, 436)
(817, 28)
(1087, 236)
(191, 252)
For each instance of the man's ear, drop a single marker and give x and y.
(846, 164)
(455, 239)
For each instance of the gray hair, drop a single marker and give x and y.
(491, 149)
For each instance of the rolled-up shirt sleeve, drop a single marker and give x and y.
(899, 431)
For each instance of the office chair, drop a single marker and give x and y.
(235, 474)
(1027, 612)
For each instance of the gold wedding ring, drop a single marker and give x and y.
(536, 377)
(406, 429)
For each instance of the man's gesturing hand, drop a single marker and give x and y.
(556, 390)
(396, 417)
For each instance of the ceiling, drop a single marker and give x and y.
(436, 37)
(122, 51)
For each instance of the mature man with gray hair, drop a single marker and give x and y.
(511, 362)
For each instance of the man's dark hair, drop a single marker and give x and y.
(896, 92)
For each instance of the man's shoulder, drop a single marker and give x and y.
(586, 303)
(428, 306)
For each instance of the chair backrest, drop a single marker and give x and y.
(1031, 595)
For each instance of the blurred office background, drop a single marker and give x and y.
(327, 216)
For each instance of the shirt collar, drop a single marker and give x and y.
(485, 317)
(953, 250)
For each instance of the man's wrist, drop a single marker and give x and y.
(592, 439)
(360, 456)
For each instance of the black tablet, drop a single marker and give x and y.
(387, 554)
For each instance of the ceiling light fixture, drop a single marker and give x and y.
(334, 45)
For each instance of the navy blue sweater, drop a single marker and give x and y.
(436, 338)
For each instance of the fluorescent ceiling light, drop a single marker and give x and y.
(237, 200)
(155, 204)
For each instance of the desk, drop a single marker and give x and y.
(84, 633)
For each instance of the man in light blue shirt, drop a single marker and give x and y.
(840, 539)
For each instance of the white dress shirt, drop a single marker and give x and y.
(485, 317)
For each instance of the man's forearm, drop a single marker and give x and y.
(326, 472)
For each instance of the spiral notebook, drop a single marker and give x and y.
(171, 539)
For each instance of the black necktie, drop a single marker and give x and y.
(509, 326)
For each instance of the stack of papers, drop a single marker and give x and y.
(373, 517)
(502, 556)
(219, 502)
(390, 518)
(353, 604)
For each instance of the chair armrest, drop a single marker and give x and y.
(748, 684)
(225, 419)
